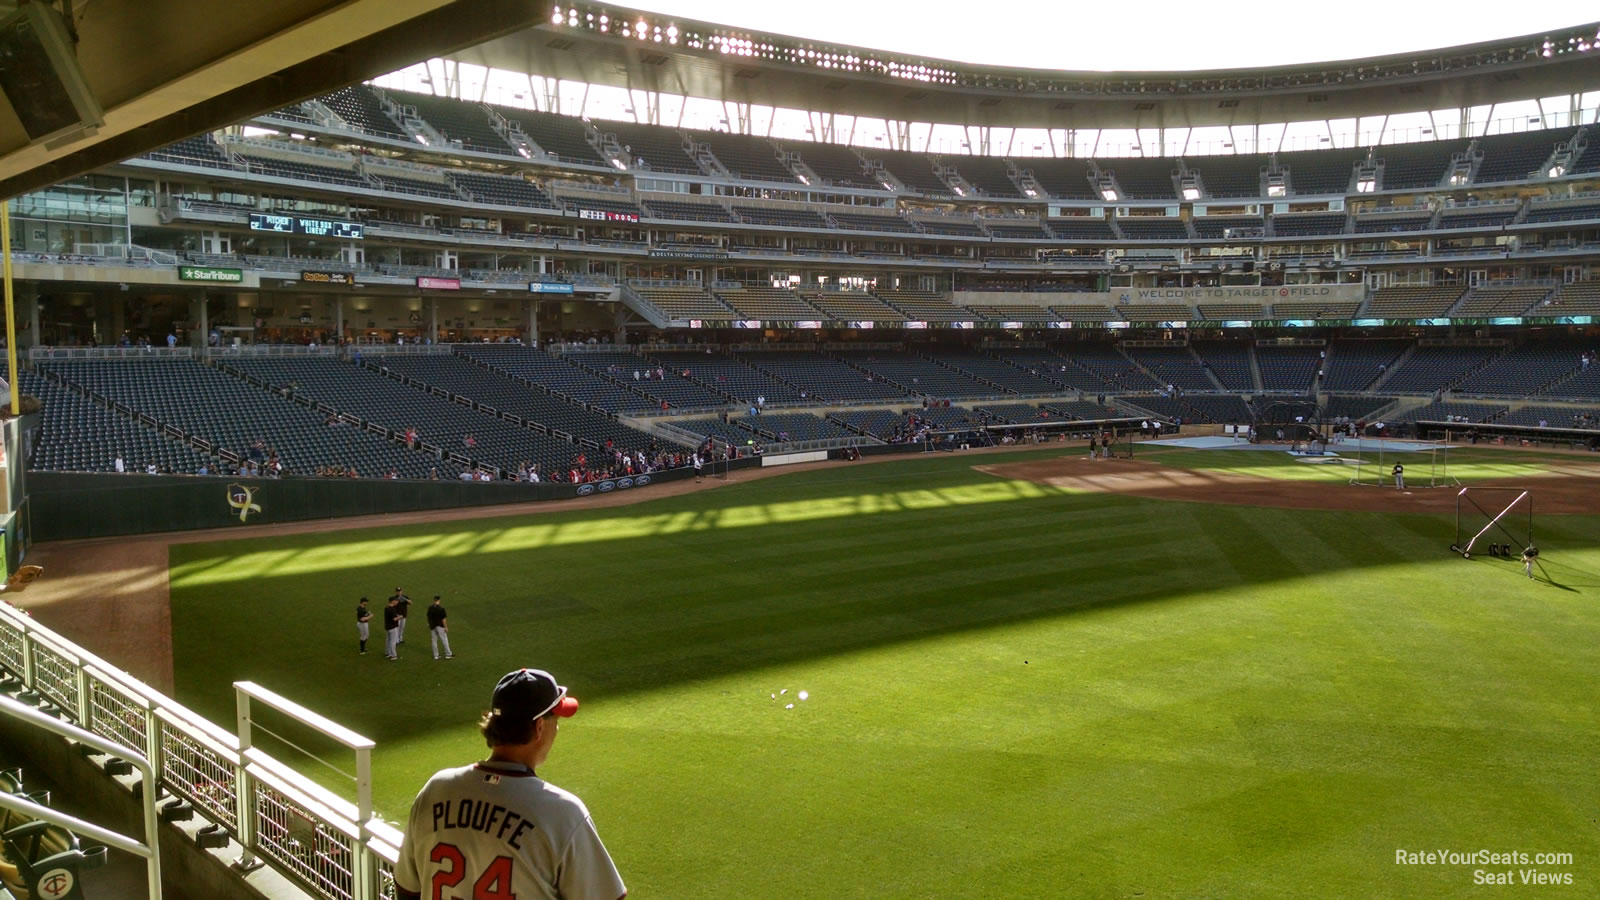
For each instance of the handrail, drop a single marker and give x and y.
(195, 759)
(151, 848)
(35, 353)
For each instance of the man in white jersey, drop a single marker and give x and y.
(494, 828)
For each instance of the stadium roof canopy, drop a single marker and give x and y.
(597, 44)
(162, 70)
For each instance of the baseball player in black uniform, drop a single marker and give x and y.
(438, 631)
(1399, 477)
(363, 616)
(391, 628)
(404, 604)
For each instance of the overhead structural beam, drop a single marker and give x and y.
(462, 24)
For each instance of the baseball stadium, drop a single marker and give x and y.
(932, 465)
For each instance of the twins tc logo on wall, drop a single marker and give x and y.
(242, 498)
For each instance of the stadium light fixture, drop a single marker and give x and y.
(1191, 193)
(1109, 195)
(1366, 186)
(1276, 190)
(1557, 170)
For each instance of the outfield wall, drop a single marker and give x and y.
(68, 505)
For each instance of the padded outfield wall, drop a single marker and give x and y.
(70, 505)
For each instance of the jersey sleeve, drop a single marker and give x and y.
(407, 878)
(587, 872)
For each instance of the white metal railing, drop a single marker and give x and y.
(589, 348)
(271, 350)
(36, 353)
(295, 151)
(332, 847)
(376, 350)
(150, 848)
(585, 187)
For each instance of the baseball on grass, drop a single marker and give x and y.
(804, 695)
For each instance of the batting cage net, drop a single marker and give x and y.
(1405, 465)
(1118, 443)
(1292, 421)
(1493, 521)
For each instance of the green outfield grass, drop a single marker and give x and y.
(1014, 692)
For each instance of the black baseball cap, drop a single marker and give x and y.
(531, 694)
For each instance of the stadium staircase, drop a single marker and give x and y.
(951, 176)
(1256, 380)
(607, 377)
(514, 135)
(1146, 372)
(708, 161)
(646, 310)
(866, 371)
(1045, 373)
(1376, 387)
(1212, 376)
(1461, 376)
(999, 388)
(86, 419)
(384, 431)
(413, 122)
(1552, 386)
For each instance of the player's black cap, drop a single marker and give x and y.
(531, 694)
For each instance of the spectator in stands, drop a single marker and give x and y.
(172, 341)
(433, 473)
(117, 464)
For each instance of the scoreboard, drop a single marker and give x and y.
(331, 228)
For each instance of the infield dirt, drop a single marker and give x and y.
(1568, 489)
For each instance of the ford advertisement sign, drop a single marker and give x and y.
(585, 490)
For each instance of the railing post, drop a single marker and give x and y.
(154, 746)
(28, 672)
(244, 794)
(81, 676)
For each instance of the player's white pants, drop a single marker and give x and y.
(440, 636)
(391, 642)
(402, 620)
(1400, 482)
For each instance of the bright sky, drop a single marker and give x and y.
(1131, 34)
